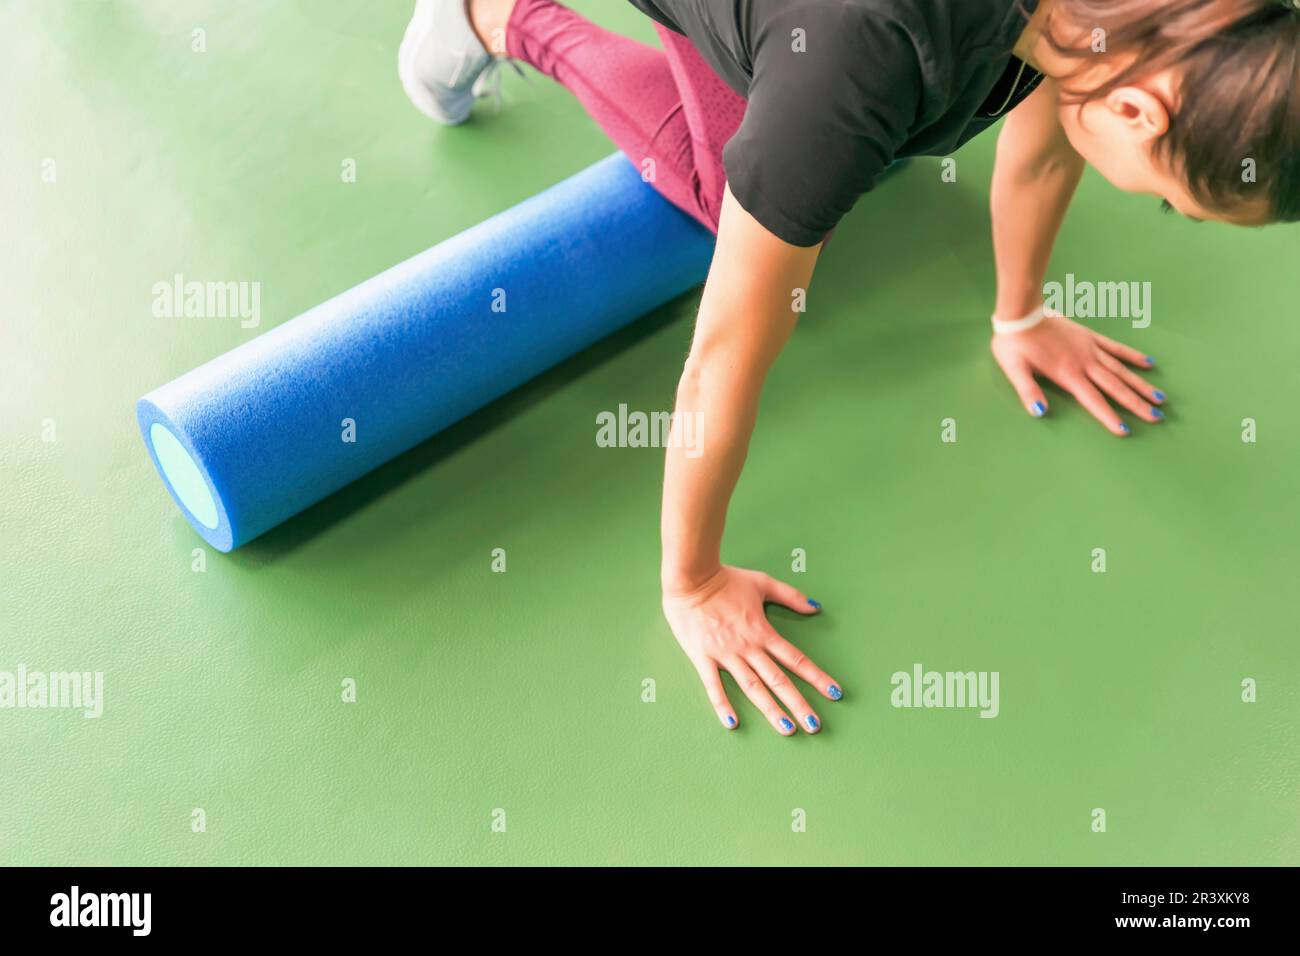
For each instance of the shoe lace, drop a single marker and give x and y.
(489, 81)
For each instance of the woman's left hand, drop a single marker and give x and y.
(1089, 366)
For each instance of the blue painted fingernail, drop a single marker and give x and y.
(1038, 409)
(815, 605)
(835, 692)
(811, 721)
(1124, 428)
(1151, 360)
(730, 721)
(1157, 413)
(786, 724)
(1159, 395)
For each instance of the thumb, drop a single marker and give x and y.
(1021, 376)
(787, 595)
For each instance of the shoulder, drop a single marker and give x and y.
(835, 35)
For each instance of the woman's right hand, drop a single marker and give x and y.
(721, 625)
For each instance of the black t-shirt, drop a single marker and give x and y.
(838, 89)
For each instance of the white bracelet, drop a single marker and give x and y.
(1001, 327)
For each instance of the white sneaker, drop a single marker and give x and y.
(443, 65)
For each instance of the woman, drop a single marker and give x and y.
(767, 119)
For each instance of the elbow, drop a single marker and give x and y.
(1047, 163)
(1060, 162)
(688, 385)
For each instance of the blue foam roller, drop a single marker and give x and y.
(256, 435)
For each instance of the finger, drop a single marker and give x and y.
(1021, 376)
(1111, 384)
(1134, 380)
(787, 595)
(794, 660)
(781, 684)
(1122, 351)
(1087, 395)
(712, 681)
(756, 691)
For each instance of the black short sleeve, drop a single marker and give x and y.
(821, 125)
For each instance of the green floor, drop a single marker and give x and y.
(522, 691)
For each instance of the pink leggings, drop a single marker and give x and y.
(667, 110)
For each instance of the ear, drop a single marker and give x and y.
(1142, 112)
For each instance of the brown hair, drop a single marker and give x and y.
(1238, 98)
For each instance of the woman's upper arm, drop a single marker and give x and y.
(1032, 134)
(754, 291)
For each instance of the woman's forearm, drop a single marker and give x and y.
(717, 403)
(746, 315)
(1034, 179)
